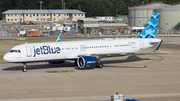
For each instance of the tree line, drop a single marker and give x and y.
(90, 7)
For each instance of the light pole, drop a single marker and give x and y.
(19, 24)
(116, 12)
(40, 15)
(147, 15)
(38, 22)
(62, 9)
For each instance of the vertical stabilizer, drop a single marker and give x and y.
(150, 29)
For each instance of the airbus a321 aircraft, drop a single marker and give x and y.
(85, 53)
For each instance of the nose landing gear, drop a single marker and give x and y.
(24, 69)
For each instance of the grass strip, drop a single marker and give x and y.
(1, 57)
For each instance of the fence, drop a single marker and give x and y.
(5, 34)
(168, 32)
(107, 33)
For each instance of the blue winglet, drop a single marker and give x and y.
(150, 29)
(159, 45)
(59, 38)
(131, 100)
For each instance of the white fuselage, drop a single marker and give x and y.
(50, 51)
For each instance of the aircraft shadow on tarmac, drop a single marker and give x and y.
(70, 64)
(132, 58)
(40, 66)
(129, 59)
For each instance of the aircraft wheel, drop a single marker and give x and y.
(24, 70)
(99, 65)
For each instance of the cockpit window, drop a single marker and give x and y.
(11, 51)
(15, 51)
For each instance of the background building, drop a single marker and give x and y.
(139, 15)
(87, 25)
(170, 18)
(30, 15)
(94, 26)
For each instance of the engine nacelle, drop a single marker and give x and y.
(55, 62)
(86, 61)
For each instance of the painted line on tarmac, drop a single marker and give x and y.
(168, 35)
(169, 51)
(150, 96)
(66, 72)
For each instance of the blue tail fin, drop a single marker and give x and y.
(150, 29)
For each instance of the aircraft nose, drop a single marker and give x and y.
(6, 57)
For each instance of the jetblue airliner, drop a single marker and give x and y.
(85, 53)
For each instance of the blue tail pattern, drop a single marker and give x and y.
(150, 29)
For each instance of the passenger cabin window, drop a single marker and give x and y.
(15, 51)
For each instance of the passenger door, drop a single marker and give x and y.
(141, 44)
(28, 51)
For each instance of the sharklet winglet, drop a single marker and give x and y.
(59, 38)
(158, 45)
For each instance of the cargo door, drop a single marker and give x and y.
(28, 51)
(141, 44)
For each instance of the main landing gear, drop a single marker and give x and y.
(99, 65)
(24, 69)
(75, 63)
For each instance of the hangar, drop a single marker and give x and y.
(139, 15)
(170, 18)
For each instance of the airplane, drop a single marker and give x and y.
(85, 53)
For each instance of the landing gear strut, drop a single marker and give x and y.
(24, 69)
(75, 63)
(99, 65)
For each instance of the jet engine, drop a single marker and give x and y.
(86, 61)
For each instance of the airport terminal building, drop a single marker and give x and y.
(34, 15)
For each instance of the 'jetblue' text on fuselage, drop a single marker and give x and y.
(43, 50)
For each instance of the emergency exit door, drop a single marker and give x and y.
(28, 51)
